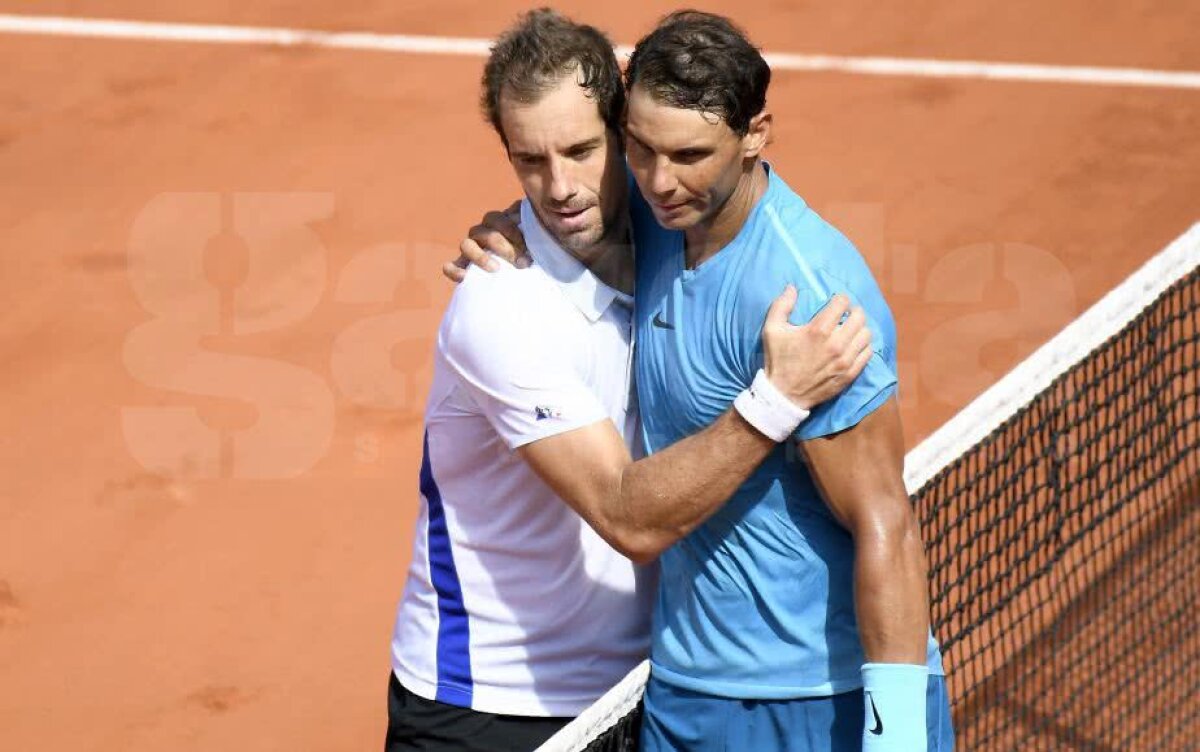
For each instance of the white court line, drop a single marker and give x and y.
(276, 37)
(870, 66)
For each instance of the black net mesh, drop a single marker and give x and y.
(1064, 555)
(1065, 552)
(622, 736)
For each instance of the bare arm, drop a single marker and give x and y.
(860, 474)
(643, 507)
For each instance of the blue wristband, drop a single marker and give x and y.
(894, 705)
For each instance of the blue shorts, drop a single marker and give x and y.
(679, 720)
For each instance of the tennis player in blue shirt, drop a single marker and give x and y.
(809, 586)
(796, 617)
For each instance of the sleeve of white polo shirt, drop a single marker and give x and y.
(503, 349)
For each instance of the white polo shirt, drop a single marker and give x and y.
(513, 604)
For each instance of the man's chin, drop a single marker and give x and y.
(579, 240)
(675, 220)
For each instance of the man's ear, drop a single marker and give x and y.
(757, 135)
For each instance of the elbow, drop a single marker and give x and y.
(642, 556)
(638, 546)
(890, 527)
(632, 535)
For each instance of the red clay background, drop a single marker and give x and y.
(230, 583)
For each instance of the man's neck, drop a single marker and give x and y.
(707, 238)
(611, 259)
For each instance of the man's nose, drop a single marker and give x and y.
(562, 182)
(662, 180)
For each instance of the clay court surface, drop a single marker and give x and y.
(220, 284)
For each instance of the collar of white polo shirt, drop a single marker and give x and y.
(591, 296)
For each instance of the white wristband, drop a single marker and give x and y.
(894, 707)
(768, 409)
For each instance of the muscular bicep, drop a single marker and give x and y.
(860, 471)
(583, 467)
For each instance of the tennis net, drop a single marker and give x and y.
(1061, 512)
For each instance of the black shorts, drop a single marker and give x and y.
(415, 723)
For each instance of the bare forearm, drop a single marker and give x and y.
(891, 598)
(641, 508)
(665, 496)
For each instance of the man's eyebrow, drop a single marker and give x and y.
(700, 148)
(591, 143)
(631, 135)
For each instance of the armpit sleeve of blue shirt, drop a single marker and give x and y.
(877, 382)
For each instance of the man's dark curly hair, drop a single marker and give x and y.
(701, 61)
(530, 58)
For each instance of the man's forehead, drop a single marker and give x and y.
(563, 113)
(564, 90)
(563, 98)
(649, 118)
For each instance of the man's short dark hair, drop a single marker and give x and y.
(701, 61)
(543, 46)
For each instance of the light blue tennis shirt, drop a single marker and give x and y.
(758, 602)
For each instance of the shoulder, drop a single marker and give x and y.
(802, 240)
(504, 296)
(814, 255)
(489, 310)
(797, 245)
(480, 285)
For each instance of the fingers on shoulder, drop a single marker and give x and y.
(500, 233)
(474, 250)
(455, 271)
